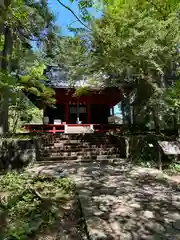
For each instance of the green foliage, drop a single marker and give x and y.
(137, 42)
(22, 111)
(82, 91)
(31, 18)
(71, 53)
(66, 184)
(131, 38)
(31, 204)
(144, 151)
(6, 81)
(84, 6)
(172, 96)
(145, 163)
(141, 152)
(174, 167)
(22, 68)
(34, 83)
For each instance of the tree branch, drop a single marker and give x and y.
(73, 22)
(37, 194)
(28, 37)
(70, 10)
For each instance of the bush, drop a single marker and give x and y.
(28, 204)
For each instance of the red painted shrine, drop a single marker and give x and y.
(94, 107)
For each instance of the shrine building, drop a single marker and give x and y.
(94, 107)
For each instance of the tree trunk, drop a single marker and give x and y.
(155, 119)
(7, 49)
(17, 114)
(175, 123)
(5, 67)
(4, 113)
(1, 41)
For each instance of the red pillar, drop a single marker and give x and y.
(67, 112)
(89, 112)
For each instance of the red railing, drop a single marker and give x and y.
(60, 128)
(51, 128)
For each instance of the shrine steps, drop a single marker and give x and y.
(78, 151)
(82, 137)
(81, 147)
(77, 147)
(80, 157)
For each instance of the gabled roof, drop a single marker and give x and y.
(58, 78)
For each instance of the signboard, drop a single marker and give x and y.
(170, 148)
(74, 109)
(57, 121)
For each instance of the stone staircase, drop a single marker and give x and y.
(80, 147)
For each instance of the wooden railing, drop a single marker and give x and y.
(60, 128)
(40, 128)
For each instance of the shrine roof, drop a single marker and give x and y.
(58, 78)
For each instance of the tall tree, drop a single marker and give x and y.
(23, 22)
(6, 33)
(139, 41)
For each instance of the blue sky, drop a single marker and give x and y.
(65, 17)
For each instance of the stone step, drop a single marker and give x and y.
(80, 153)
(87, 147)
(80, 158)
(75, 142)
(73, 149)
(80, 138)
(77, 136)
(72, 136)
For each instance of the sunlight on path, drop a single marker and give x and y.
(123, 202)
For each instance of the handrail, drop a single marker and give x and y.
(60, 128)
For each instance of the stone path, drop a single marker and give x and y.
(121, 202)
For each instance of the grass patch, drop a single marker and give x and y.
(173, 168)
(33, 206)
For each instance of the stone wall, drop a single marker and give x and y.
(17, 153)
